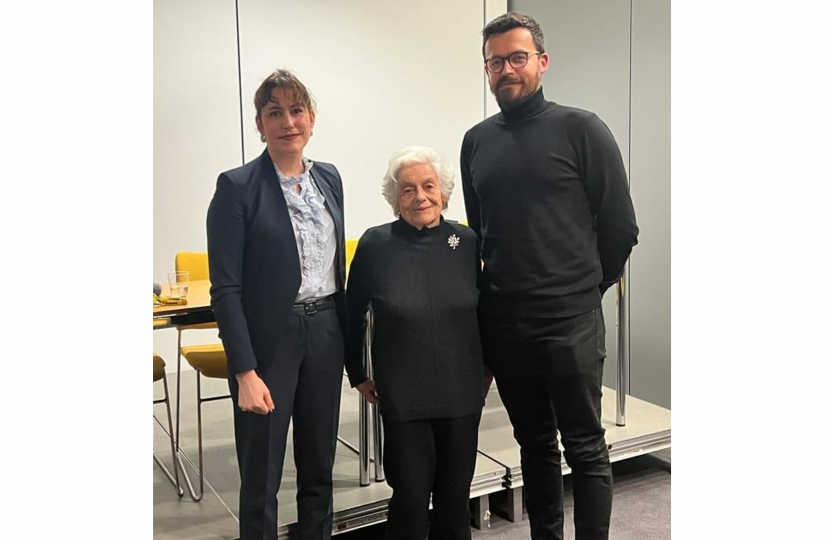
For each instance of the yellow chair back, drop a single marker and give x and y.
(351, 247)
(195, 262)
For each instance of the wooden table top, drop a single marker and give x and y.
(198, 299)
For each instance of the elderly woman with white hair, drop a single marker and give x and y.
(419, 274)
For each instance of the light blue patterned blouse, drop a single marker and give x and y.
(314, 231)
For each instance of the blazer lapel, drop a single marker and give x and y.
(328, 194)
(337, 216)
(271, 183)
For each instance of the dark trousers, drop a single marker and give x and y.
(423, 456)
(304, 378)
(549, 377)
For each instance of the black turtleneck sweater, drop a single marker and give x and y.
(545, 190)
(426, 352)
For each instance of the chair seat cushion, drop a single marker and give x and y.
(158, 367)
(210, 360)
(161, 323)
(201, 326)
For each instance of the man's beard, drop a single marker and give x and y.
(505, 102)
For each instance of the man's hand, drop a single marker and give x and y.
(486, 381)
(254, 396)
(367, 388)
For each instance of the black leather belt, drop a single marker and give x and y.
(313, 306)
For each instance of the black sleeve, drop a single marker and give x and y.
(226, 247)
(342, 310)
(471, 202)
(357, 300)
(479, 264)
(605, 183)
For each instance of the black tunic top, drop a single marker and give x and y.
(426, 352)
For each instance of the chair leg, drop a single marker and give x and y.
(199, 422)
(178, 386)
(167, 473)
(179, 489)
(186, 477)
(178, 420)
(174, 478)
(348, 445)
(193, 495)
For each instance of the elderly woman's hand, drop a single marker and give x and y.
(367, 388)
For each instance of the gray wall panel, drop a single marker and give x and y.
(651, 190)
(588, 44)
(613, 58)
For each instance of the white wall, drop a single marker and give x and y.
(385, 74)
(196, 131)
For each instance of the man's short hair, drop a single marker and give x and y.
(509, 21)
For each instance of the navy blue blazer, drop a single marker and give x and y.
(253, 259)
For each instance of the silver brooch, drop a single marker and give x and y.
(453, 241)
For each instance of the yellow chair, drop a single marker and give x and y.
(160, 375)
(351, 247)
(207, 360)
(162, 322)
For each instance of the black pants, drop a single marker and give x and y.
(549, 376)
(304, 378)
(424, 456)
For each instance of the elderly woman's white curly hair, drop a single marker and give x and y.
(409, 156)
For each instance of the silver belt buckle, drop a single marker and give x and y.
(310, 308)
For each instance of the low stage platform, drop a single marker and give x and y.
(648, 429)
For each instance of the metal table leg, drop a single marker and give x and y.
(623, 348)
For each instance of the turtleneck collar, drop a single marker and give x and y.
(410, 231)
(529, 108)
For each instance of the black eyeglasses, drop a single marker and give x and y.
(518, 60)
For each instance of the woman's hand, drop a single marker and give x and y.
(254, 396)
(367, 388)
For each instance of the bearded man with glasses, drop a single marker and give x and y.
(546, 191)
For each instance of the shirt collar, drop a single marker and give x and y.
(307, 164)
